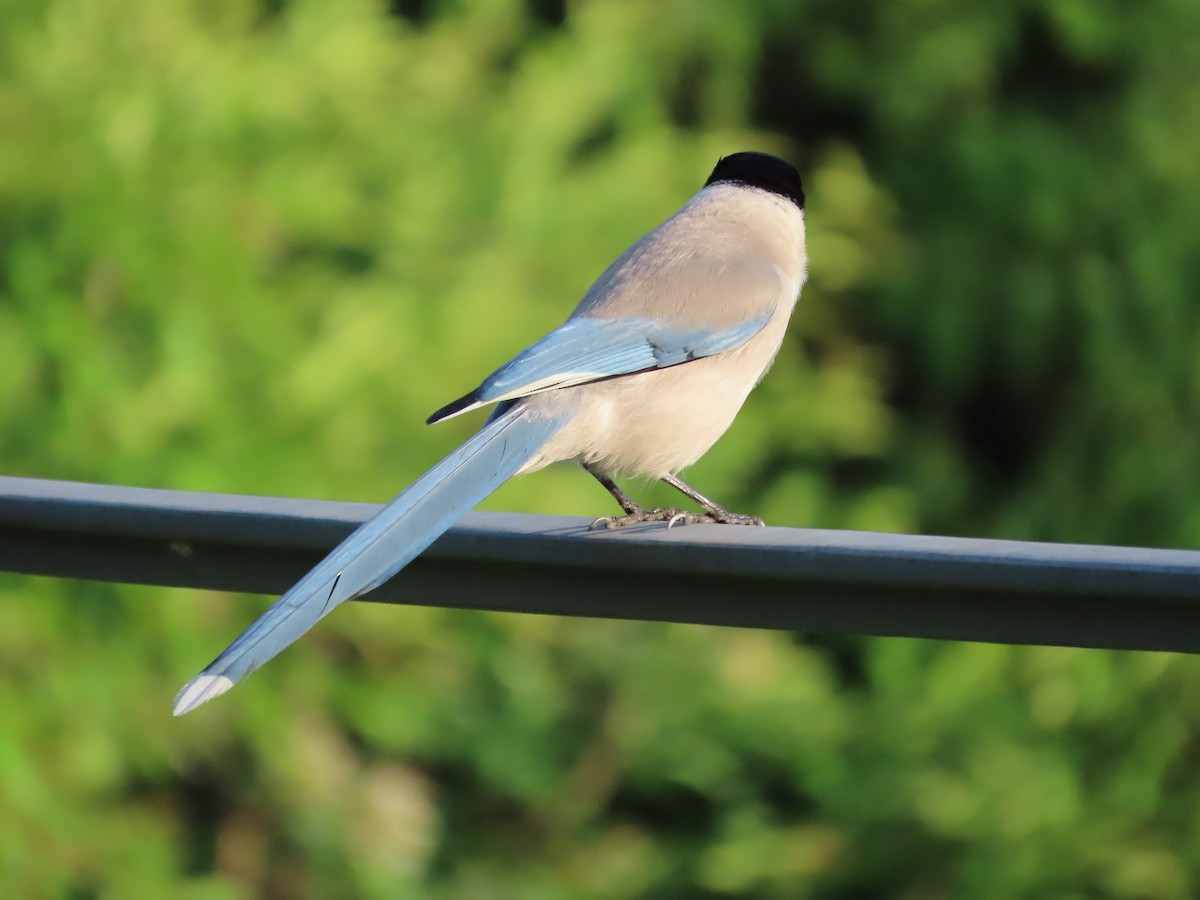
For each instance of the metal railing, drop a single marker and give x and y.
(788, 578)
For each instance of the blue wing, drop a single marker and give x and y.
(587, 349)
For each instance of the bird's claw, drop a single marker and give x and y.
(673, 517)
(668, 514)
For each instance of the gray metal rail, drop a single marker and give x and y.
(789, 578)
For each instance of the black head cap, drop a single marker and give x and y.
(759, 170)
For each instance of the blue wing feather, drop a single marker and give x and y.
(587, 349)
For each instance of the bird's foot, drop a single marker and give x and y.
(668, 514)
(727, 518)
(672, 517)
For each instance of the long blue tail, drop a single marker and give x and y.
(381, 547)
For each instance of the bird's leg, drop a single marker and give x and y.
(636, 515)
(715, 512)
(626, 502)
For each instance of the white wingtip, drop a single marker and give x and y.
(200, 690)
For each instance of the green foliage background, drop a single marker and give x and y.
(249, 246)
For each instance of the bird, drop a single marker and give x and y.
(648, 371)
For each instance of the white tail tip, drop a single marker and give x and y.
(200, 690)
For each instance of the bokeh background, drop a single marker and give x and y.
(248, 245)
